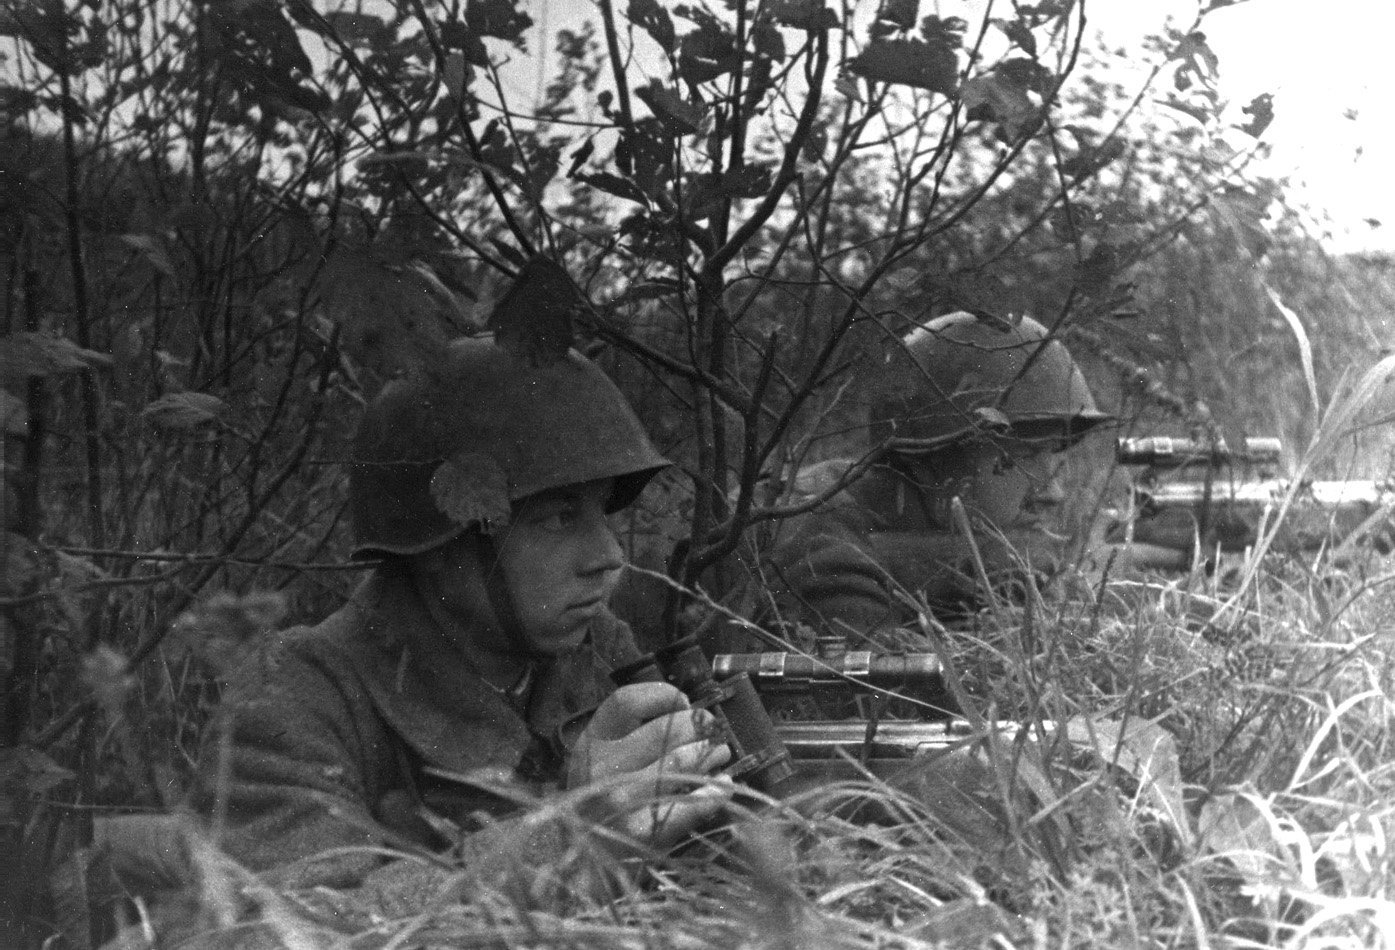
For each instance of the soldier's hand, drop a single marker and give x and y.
(645, 747)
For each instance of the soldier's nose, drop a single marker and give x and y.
(1047, 493)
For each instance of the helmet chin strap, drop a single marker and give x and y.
(499, 603)
(496, 588)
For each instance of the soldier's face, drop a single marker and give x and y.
(1010, 483)
(560, 561)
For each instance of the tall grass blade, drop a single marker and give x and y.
(1305, 348)
(1334, 424)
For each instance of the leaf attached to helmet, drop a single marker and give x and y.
(533, 321)
(473, 491)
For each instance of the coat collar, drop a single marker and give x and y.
(429, 694)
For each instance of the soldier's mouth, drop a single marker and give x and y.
(589, 603)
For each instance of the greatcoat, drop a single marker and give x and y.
(856, 565)
(326, 735)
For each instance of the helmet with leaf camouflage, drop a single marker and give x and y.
(960, 375)
(451, 448)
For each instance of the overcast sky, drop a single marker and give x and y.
(1327, 64)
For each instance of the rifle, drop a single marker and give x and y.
(1195, 494)
(778, 757)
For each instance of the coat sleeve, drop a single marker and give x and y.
(841, 573)
(844, 574)
(293, 765)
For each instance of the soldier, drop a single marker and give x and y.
(479, 646)
(964, 407)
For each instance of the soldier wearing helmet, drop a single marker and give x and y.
(480, 645)
(962, 407)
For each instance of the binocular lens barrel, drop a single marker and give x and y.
(762, 760)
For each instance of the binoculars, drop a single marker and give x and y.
(760, 758)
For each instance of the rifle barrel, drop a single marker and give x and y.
(1162, 451)
(1269, 491)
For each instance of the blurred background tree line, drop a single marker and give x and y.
(225, 223)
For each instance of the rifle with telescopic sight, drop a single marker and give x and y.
(779, 756)
(1195, 495)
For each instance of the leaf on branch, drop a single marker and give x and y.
(1091, 160)
(543, 163)
(708, 52)
(613, 184)
(768, 49)
(1096, 272)
(455, 71)
(654, 20)
(650, 290)
(647, 151)
(26, 355)
(1047, 9)
(1196, 55)
(498, 18)
(357, 28)
(1199, 63)
(1242, 214)
(706, 192)
(1261, 113)
(533, 321)
(848, 88)
(580, 156)
(947, 32)
(1201, 114)
(180, 411)
(15, 100)
(679, 116)
(894, 16)
(462, 160)
(150, 249)
(909, 63)
(1020, 34)
(510, 253)
(1071, 221)
(495, 147)
(1028, 74)
(654, 237)
(455, 35)
(996, 98)
(990, 419)
(810, 15)
(472, 490)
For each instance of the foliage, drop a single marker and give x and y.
(225, 225)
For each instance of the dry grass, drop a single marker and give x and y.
(1283, 756)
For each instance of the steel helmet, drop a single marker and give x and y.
(451, 449)
(959, 375)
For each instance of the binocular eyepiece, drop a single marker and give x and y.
(760, 758)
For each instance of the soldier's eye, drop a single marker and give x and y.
(559, 519)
